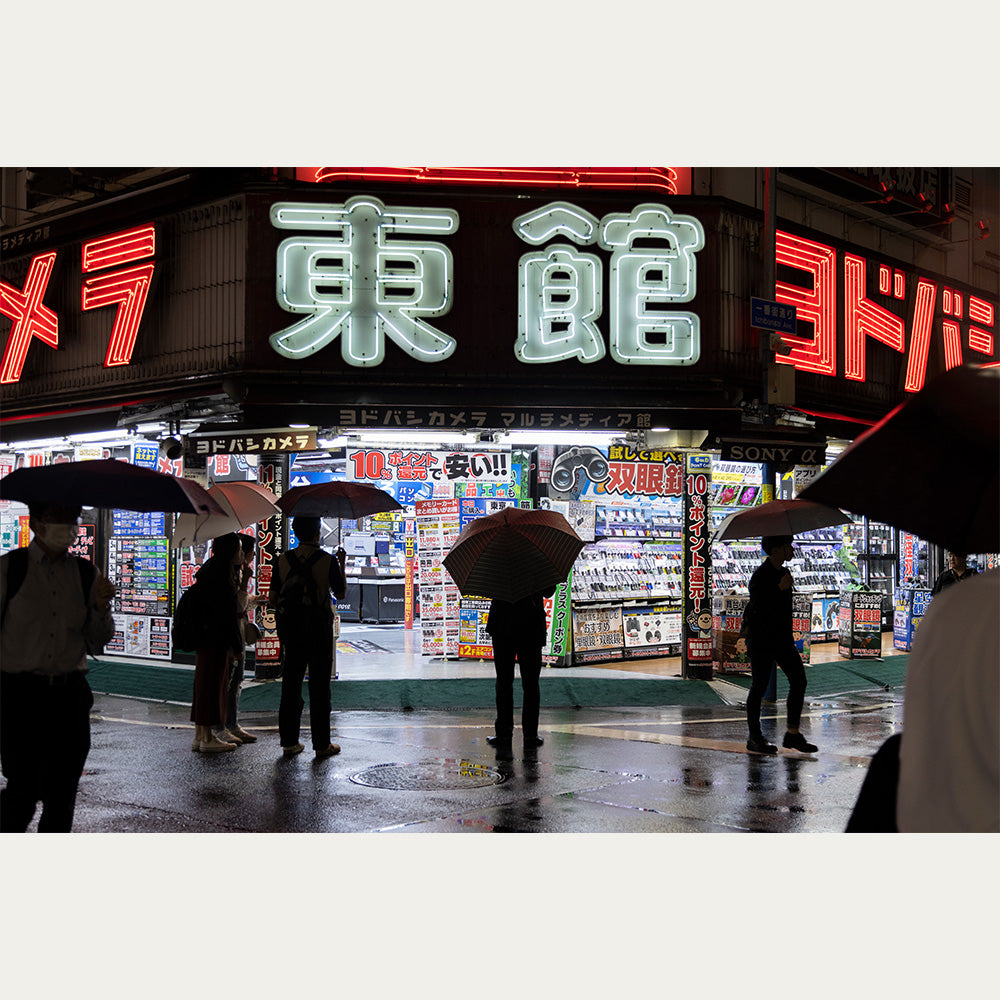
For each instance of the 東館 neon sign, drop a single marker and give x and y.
(865, 318)
(107, 282)
(362, 276)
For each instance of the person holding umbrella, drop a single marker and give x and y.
(220, 644)
(519, 632)
(55, 609)
(769, 637)
(300, 594)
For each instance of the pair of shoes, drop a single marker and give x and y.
(757, 744)
(328, 752)
(533, 741)
(242, 735)
(292, 750)
(214, 745)
(226, 736)
(495, 741)
(796, 741)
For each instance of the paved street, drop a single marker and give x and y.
(601, 770)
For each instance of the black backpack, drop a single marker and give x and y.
(298, 600)
(190, 627)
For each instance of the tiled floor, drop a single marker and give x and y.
(390, 651)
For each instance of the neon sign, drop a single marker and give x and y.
(864, 318)
(361, 286)
(672, 181)
(127, 288)
(31, 318)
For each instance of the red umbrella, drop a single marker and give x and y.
(336, 499)
(107, 483)
(779, 517)
(513, 553)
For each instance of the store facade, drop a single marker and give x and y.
(590, 350)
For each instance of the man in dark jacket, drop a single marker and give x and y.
(518, 631)
(770, 640)
(306, 634)
(957, 570)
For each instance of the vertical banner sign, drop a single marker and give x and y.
(696, 631)
(270, 473)
(409, 547)
(557, 652)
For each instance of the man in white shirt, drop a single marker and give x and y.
(949, 756)
(49, 624)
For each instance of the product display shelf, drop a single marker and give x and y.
(613, 569)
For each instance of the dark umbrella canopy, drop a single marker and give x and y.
(336, 499)
(513, 553)
(107, 483)
(779, 517)
(931, 466)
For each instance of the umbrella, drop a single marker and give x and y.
(779, 517)
(336, 499)
(243, 503)
(513, 553)
(106, 483)
(929, 467)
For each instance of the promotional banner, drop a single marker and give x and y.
(860, 624)
(557, 652)
(597, 634)
(696, 648)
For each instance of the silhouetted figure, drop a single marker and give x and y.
(518, 631)
(957, 570)
(219, 644)
(875, 809)
(56, 608)
(300, 594)
(232, 730)
(770, 639)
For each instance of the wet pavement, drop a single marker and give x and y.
(628, 770)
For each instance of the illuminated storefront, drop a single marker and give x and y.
(478, 304)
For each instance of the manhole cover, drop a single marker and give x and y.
(428, 776)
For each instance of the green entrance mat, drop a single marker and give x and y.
(824, 679)
(164, 683)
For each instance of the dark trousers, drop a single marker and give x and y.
(211, 683)
(44, 742)
(311, 649)
(529, 662)
(236, 673)
(788, 658)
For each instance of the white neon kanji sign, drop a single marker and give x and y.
(361, 286)
(560, 289)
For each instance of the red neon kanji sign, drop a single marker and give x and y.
(128, 288)
(31, 318)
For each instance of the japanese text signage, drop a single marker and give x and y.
(696, 648)
(365, 273)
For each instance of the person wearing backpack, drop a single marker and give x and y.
(218, 641)
(300, 595)
(55, 608)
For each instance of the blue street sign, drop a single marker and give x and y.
(768, 315)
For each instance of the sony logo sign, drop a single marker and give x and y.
(811, 453)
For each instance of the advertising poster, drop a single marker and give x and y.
(138, 568)
(86, 542)
(651, 630)
(597, 634)
(801, 621)
(696, 647)
(860, 624)
(267, 651)
(729, 651)
(141, 635)
(825, 617)
(908, 611)
(557, 652)
(474, 641)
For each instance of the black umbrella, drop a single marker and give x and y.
(336, 499)
(929, 467)
(107, 483)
